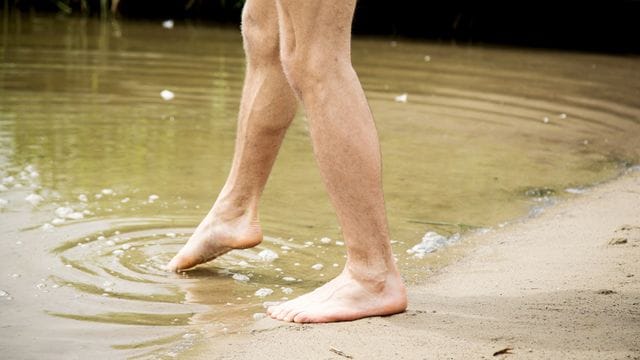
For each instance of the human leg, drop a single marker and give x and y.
(267, 108)
(315, 38)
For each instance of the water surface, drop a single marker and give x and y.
(116, 177)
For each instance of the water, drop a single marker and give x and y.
(104, 179)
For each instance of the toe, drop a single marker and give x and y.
(301, 318)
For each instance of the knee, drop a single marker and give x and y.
(307, 71)
(260, 37)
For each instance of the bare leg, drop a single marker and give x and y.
(315, 39)
(267, 107)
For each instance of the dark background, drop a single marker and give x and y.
(604, 26)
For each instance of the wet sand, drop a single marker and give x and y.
(563, 285)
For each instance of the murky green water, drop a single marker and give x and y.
(103, 180)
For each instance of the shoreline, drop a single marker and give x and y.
(564, 284)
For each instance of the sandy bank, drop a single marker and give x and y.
(552, 287)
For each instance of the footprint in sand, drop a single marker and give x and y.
(626, 234)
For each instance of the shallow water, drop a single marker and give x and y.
(122, 176)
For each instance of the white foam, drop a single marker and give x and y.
(402, 98)
(267, 255)
(168, 24)
(63, 211)
(258, 316)
(431, 241)
(289, 278)
(107, 191)
(317, 267)
(153, 197)
(57, 221)
(287, 290)
(34, 199)
(83, 198)
(325, 240)
(167, 94)
(262, 292)
(47, 227)
(240, 277)
(3, 203)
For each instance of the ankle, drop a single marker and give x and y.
(230, 208)
(376, 278)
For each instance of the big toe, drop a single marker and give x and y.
(181, 262)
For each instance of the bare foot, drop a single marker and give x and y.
(216, 235)
(345, 298)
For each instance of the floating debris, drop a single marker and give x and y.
(402, 98)
(339, 243)
(34, 199)
(262, 292)
(240, 277)
(317, 266)
(167, 94)
(267, 255)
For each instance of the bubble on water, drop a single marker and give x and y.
(545, 119)
(325, 240)
(289, 278)
(100, 238)
(308, 243)
(402, 98)
(562, 116)
(262, 292)
(170, 234)
(243, 264)
(335, 265)
(110, 243)
(15, 275)
(107, 191)
(287, 290)
(3, 203)
(285, 247)
(118, 252)
(427, 58)
(153, 197)
(296, 264)
(34, 199)
(47, 227)
(267, 255)
(41, 286)
(83, 198)
(126, 246)
(317, 266)
(57, 221)
(240, 277)
(125, 200)
(98, 196)
(339, 243)
(55, 286)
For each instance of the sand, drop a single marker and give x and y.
(563, 285)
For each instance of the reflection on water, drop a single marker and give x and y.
(103, 179)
